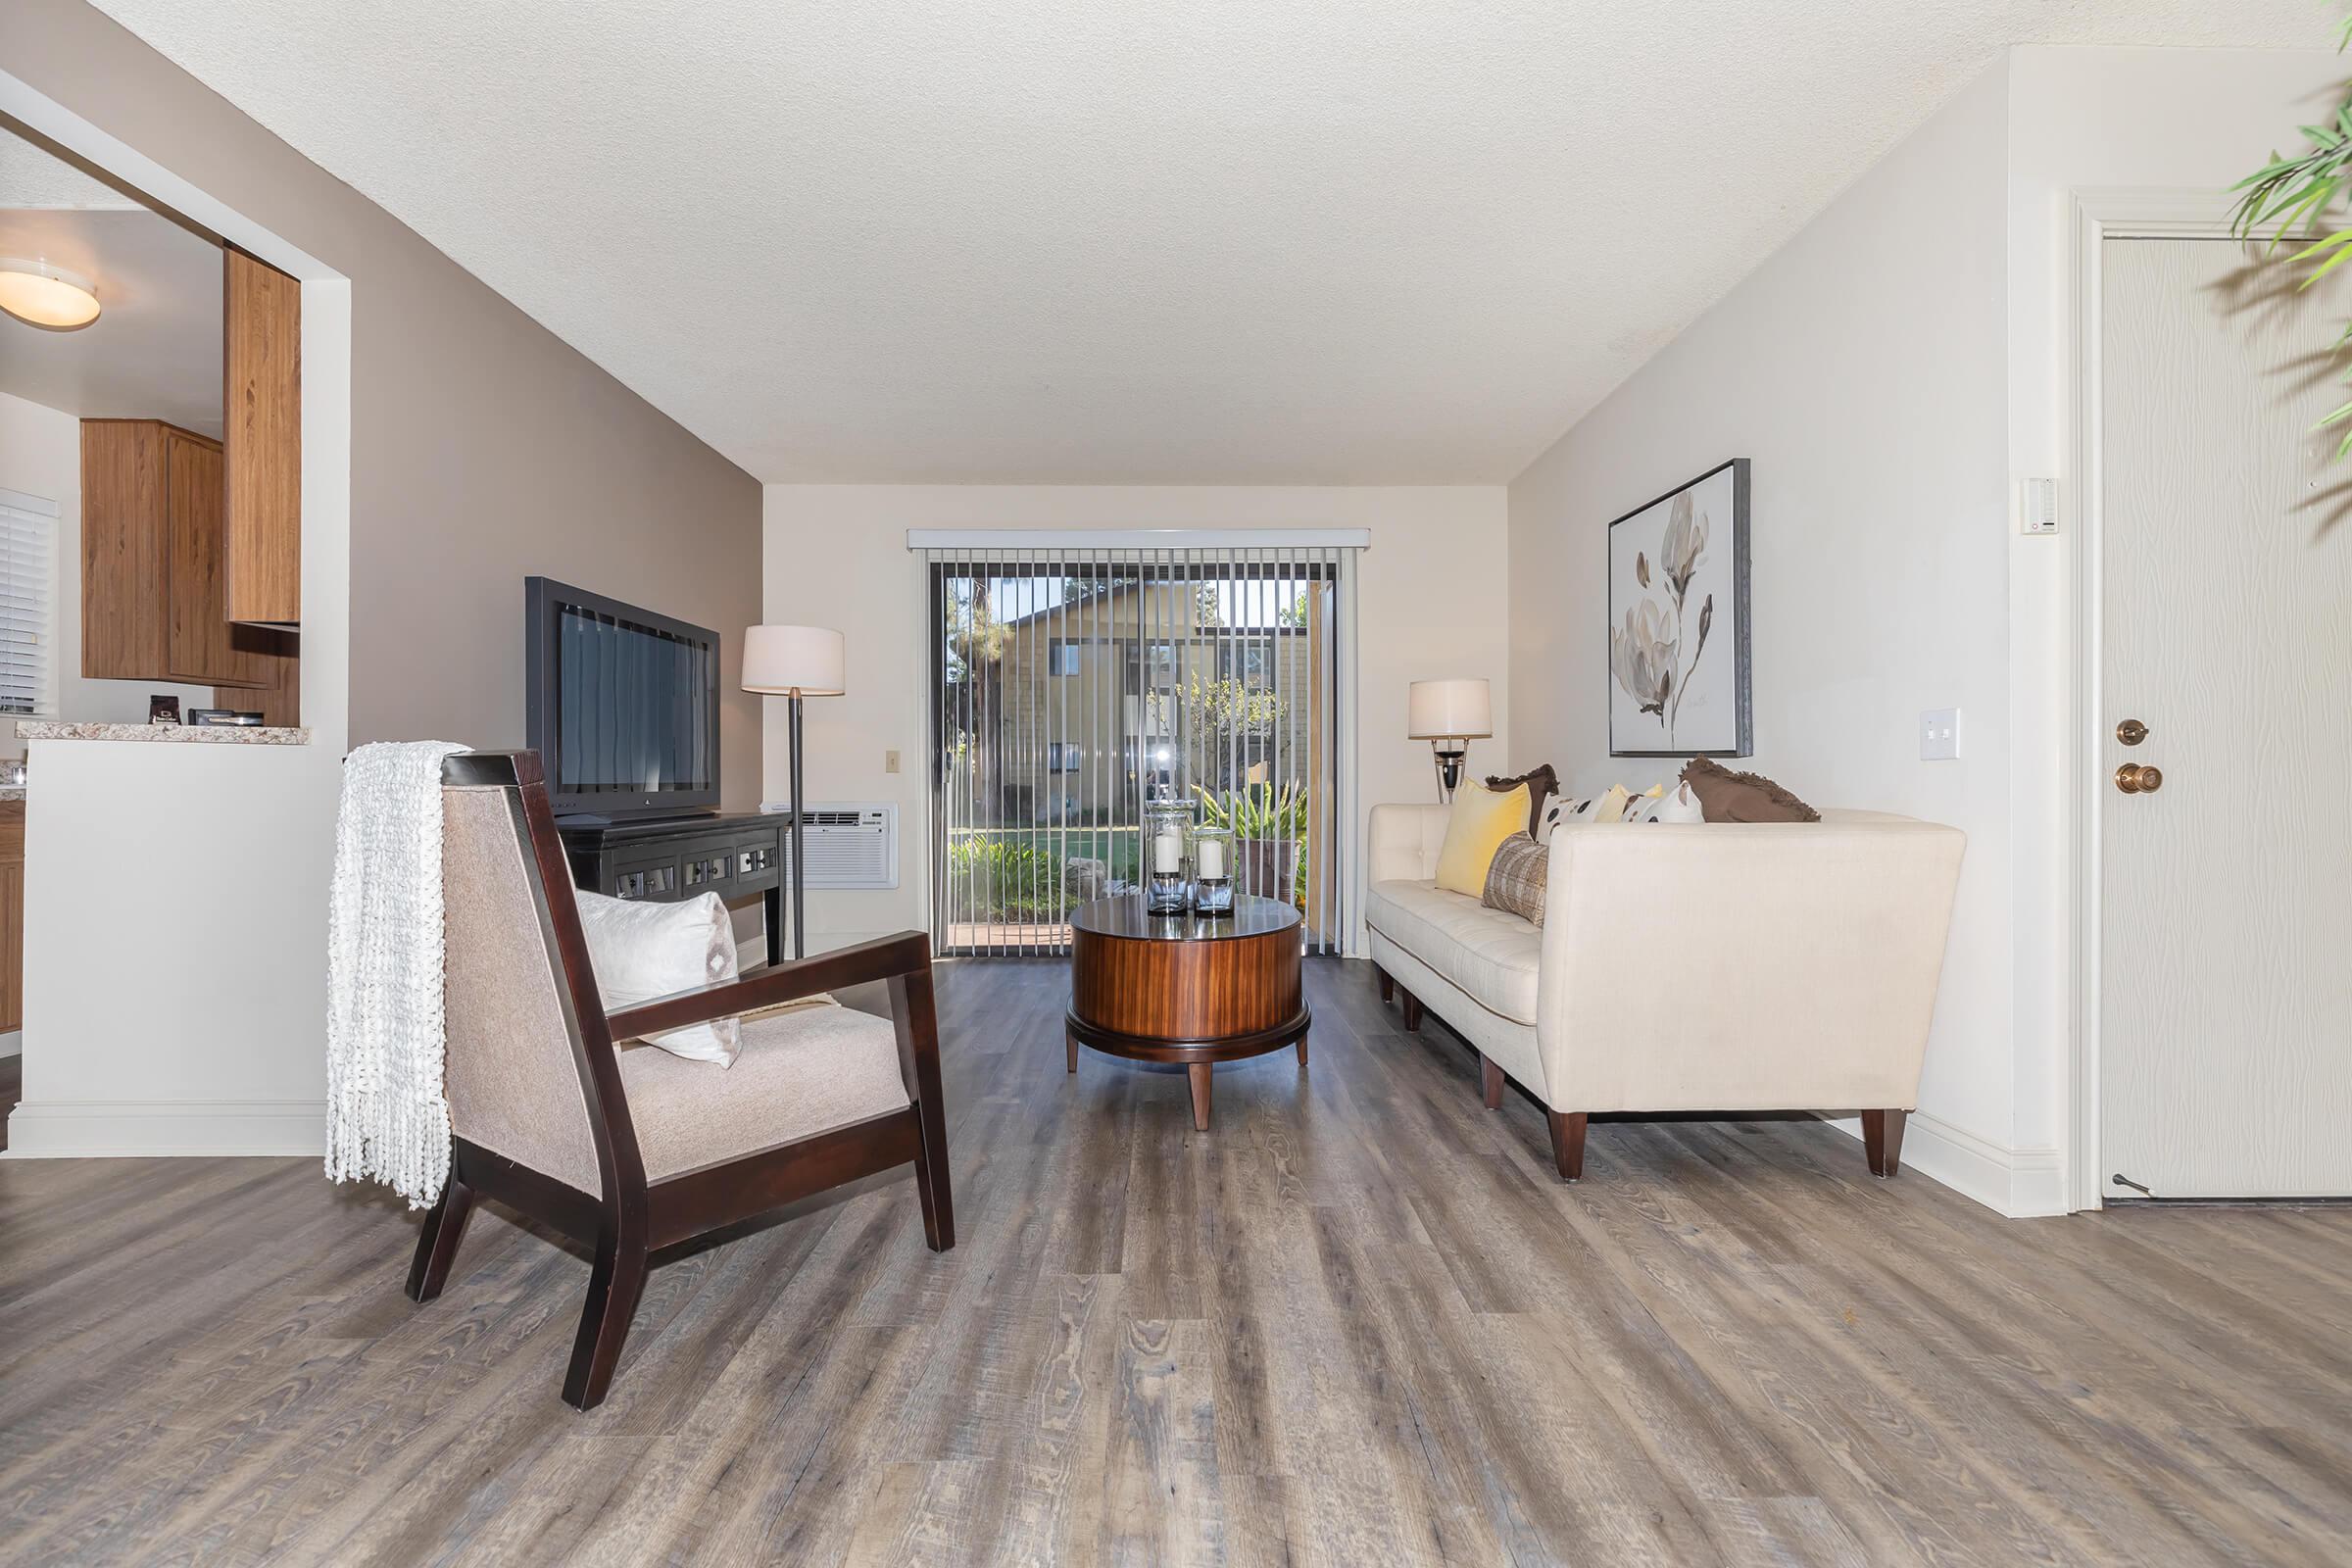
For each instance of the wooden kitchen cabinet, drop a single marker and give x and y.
(262, 322)
(154, 563)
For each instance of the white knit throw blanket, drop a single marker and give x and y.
(387, 1116)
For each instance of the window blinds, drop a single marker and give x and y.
(1078, 681)
(28, 615)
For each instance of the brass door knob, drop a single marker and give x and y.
(2131, 732)
(2138, 778)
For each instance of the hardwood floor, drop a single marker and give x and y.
(1358, 1322)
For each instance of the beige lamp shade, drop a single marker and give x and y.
(1438, 708)
(782, 660)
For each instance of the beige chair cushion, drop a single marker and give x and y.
(800, 1074)
(1493, 956)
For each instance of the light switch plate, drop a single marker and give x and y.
(2037, 506)
(1940, 735)
(889, 762)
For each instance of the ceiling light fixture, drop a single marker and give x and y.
(45, 296)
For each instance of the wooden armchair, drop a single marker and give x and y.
(630, 1152)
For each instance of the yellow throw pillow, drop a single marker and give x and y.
(1481, 818)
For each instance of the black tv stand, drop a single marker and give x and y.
(734, 855)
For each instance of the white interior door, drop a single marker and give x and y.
(2225, 975)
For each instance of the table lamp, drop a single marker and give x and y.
(793, 662)
(1449, 715)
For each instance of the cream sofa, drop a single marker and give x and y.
(1703, 967)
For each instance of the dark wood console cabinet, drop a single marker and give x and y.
(682, 857)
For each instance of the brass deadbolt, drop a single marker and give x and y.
(2131, 732)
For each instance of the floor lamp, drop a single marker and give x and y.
(1449, 715)
(793, 662)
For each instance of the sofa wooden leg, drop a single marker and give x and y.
(1489, 1080)
(1568, 1142)
(1412, 1010)
(1883, 1140)
(1387, 987)
(437, 1246)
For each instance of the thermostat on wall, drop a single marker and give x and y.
(2037, 506)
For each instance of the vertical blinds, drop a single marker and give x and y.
(28, 615)
(1076, 683)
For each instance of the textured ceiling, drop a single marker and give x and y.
(1102, 241)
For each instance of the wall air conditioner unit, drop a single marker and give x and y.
(852, 844)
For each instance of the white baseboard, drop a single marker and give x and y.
(12, 1043)
(135, 1129)
(2019, 1183)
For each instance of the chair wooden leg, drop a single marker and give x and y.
(1199, 1073)
(613, 1287)
(1071, 1043)
(437, 1243)
(1883, 1141)
(931, 1185)
(1412, 1010)
(914, 1014)
(1303, 1051)
(1489, 1080)
(1387, 987)
(1568, 1142)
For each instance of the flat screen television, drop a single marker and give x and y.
(621, 704)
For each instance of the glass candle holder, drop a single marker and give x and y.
(1164, 825)
(1213, 870)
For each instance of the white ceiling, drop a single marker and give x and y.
(1224, 241)
(155, 349)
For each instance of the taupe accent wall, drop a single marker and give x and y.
(483, 448)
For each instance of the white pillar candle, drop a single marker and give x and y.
(1167, 853)
(1212, 859)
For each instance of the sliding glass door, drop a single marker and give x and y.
(1075, 685)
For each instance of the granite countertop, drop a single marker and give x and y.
(10, 792)
(50, 729)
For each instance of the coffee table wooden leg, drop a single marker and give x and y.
(1071, 1040)
(1197, 1071)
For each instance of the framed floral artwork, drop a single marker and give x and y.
(1678, 621)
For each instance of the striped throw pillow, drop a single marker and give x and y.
(1517, 878)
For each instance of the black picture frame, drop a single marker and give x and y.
(1743, 697)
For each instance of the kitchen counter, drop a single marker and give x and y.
(10, 792)
(50, 729)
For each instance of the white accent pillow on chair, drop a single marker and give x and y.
(643, 951)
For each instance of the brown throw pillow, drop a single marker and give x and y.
(1517, 878)
(1542, 784)
(1728, 797)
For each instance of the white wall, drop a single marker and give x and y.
(40, 454)
(1429, 597)
(1892, 371)
(1861, 368)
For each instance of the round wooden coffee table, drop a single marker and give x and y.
(1186, 988)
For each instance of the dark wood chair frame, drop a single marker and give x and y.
(1881, 1130)
(631, 1219)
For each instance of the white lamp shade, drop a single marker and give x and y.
(782, 660)
(1437, 708)
(41, 295)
